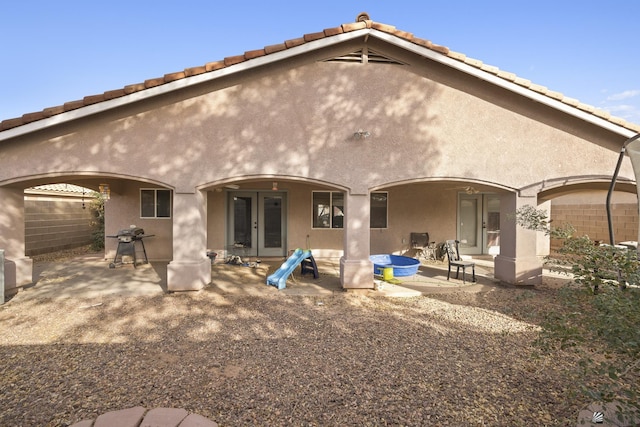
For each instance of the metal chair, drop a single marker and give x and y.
(453, 254)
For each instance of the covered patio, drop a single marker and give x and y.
(89, 276)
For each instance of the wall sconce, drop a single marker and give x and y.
(274, 186)
(105, 191)
(361, 134)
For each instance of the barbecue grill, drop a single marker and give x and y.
(127, 239)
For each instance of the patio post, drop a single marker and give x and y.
(356, 269)
(518, 262)
(18, 269)
(190, 269)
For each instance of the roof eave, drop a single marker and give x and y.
(506, 84)
(303, 48)
(166, 88)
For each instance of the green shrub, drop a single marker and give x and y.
(97, 224)
(600, 318)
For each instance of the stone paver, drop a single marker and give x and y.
(130, 417)
(140, 417)
(164, 417)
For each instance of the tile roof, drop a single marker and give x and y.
(362, 22)
(60, 189)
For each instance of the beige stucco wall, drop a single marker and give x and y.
(301, 122)
(122, 210)
(294, 121)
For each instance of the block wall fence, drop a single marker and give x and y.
(56, 223)
(589, 217)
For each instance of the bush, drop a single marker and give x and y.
(97, 234)
(599, 318)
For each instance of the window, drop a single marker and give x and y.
(328, 209)
(155, 203)
(378, 216)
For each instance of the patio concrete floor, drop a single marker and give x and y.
(89, 276)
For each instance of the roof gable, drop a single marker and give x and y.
(363, 27)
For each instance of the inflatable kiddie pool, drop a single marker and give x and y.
(402, 265)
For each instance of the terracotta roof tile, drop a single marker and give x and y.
(212, 66)
(233, 60)
(111, 94)
(11, 123)
(73, 105)
(333, 31)
(133, 88)
(294, 42)
(570, 101)
(92, 99)
(363, 21)
(354, 26)
(31, 117)
(442, 49)
(473, 62)
(423, 43)
(506, 75)
(52, 111)
(275, 48)
(313, 36)
(153, 82)
(490, 69)
(383, 27)
(254, 54)
(194, 71)
(174, 76)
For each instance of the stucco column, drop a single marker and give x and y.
(18, 269)
(356, 269)
(518, 262)
(190, 269)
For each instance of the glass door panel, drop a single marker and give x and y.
(479, 224)
(492, 224)
(256, 224)
(243, 223)
(271, 224)
(468, 221)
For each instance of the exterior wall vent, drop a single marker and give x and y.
(365, 55)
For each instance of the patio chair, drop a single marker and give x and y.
(453, 254)
(420, 242)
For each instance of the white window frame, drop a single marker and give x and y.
(155, 203)
(331, 206)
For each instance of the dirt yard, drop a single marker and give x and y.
(456, 358)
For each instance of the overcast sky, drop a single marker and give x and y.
(59, 51)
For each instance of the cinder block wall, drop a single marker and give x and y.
(54, 223)
(588, 215)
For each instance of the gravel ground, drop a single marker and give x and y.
(457, 359)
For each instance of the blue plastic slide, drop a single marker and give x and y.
(279, 278)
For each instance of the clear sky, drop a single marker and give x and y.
(59, 51)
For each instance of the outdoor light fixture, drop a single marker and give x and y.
(632, 147)
(361, 134)
(105, 191)
(274, 186)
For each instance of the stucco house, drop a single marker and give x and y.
(344, 140)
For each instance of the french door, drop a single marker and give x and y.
(257, 223)
(479, 223)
